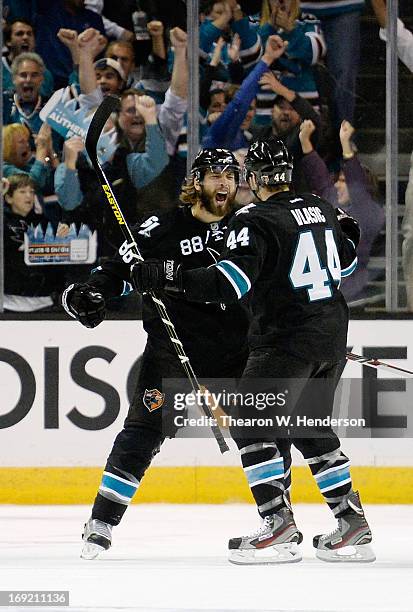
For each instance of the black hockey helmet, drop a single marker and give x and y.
(217, 160)
(270, 162)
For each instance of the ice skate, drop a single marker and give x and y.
(97, 537)
(351, 540)
(276, 541)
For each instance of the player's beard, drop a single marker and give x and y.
(210, 205)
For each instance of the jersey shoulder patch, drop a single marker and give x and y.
(147, 227)
(157, 219)
(245, 209)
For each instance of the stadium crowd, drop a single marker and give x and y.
(267, 67)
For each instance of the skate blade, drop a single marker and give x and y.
(361, 553)
(91, 551)
(271, 555)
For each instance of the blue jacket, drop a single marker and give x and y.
(226, 131)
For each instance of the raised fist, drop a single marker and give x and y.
(72, 147)
(68, 38)
(146, 108)
(346, 131)
(307, 127)
(155, 28)
(92, 41)
(179, 38)
(274, 48)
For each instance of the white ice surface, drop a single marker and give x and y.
(173, 557)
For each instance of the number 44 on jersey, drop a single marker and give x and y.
(307, 270)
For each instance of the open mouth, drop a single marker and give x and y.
(137, 123)
(221, 197)
(28, 89)
(25, 47)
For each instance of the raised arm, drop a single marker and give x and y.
(91, 43)
(156, 30)
(66, 181)
(251, 46)
(227, 125)
(179, 79)
(172, 112)
(314, 168)
(145, 167)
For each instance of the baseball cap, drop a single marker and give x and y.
(108, 62)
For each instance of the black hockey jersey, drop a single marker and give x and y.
(289, 254)
(207, 330)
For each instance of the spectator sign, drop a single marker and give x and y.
(44, 248)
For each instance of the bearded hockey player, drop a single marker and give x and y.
(288, 252)
(213, 335)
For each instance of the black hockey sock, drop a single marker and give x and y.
(107, 510)
(131, 455)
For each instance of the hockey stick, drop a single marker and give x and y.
(372, 362)
(130, 253)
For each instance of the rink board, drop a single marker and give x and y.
(64, 395)
(191, 485)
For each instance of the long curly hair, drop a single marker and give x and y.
(189, 195)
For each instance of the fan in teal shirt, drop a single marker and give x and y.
(305, 48)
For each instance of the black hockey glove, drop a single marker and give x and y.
(157, 275)
(84, 303)
(349, 226)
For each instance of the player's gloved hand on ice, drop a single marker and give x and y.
(349, 226)
(157, 275)
(84, 303)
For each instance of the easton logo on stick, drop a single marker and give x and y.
(113, 204)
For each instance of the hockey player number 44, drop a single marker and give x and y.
(241, 238)
(307, 270)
